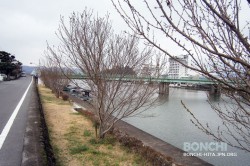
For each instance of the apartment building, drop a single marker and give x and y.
(176, 69)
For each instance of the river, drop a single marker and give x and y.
(171, 123)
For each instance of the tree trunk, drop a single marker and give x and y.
(96, 125)
(101, 132)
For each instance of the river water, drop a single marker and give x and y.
(171, 123)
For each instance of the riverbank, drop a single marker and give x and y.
(73, 137)
(133, 138)
(154, 149)
(165, 127)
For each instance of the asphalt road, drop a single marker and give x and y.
(13, 119)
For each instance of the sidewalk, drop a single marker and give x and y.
(33, 148)
(37, 150)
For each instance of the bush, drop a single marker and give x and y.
(65, 97)
(93, 141)
(86, 133)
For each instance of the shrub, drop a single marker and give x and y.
(65, 97)
(93, 141)
(87, 133)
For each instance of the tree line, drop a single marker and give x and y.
(9, 65)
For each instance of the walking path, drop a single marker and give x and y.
(33, 148)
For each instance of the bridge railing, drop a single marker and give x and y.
(149, 79)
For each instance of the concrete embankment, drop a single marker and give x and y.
(158, 151)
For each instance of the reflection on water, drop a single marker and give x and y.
(214, 97)
(172, 124)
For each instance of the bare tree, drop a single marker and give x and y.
(214, 34)
(53, 77)
(111, 64)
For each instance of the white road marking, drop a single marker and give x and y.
(7, 127)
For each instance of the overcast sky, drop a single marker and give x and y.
(26, 25)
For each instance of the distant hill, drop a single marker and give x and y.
(28, 69)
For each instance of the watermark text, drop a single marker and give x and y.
(207, 149)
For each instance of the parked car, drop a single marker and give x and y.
(69, 87)
(3, 77)
(23, 74)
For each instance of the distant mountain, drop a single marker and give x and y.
(28, 69)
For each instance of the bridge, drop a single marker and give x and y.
(152, 79)
(162, 81)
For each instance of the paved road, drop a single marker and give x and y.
(11, 146)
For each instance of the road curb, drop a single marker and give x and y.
(37, 150)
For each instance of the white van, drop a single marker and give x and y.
(3, 77)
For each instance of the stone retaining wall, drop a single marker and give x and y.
(51, 161)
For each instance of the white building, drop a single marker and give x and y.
(176, 69)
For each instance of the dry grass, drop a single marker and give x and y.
(73, 137)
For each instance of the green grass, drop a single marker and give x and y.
(86, 133)
(109, 141)
(82, 144)
(91, 148)
(48, 97)
(79, 149)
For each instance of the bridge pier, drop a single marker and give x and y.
(215, 90)
(164, 88)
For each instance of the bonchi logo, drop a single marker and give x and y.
(204, 146)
